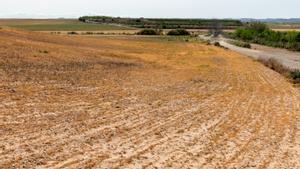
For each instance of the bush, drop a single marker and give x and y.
(242, 44)
(149, 32)
(179, 32)
(275, 65)
(44, 51)
(217, 44)
(72, 33)
(257, 27)
(298, 38)
(295, 75)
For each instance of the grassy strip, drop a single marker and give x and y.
(293, 75)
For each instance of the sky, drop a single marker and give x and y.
(151, 8)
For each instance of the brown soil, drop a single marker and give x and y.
(130, 102)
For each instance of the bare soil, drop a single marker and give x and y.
(131, 102)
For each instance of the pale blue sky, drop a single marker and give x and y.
(152, 8)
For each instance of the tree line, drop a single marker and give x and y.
(163, 23)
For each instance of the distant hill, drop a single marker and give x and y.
(272, 20)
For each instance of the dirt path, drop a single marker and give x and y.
(288, 58)
(139, 103)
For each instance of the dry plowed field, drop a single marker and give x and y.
(129, 102)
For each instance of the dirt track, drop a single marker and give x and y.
(288, 59)
(74, 102)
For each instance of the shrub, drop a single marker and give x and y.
(44, 51)
(243, 34)
(241, 44)
(257, 27)
(217, 44)
(179, 32)
(72, 33)
(295, 75)
(298, 37)
(275, 65)
(148, 32)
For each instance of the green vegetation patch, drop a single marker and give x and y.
(295, 75)
(150, 32)
(179, 32)
(260, 33)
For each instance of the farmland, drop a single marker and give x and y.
(57, 25)
(285, 27)
(140, 102)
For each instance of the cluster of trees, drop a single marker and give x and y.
(164, 23)
(150, 32)
(179, 32)
(261, 34)
(175, 32)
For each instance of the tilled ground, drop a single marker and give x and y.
(128, 102)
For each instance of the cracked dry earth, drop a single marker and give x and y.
(129, 102)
